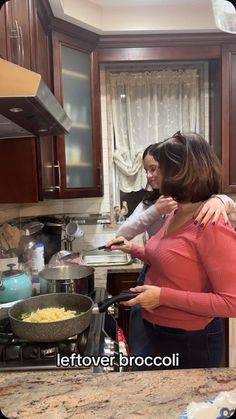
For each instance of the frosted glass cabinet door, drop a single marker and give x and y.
(77, 103)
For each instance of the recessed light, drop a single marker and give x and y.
(15, 110)
(42, 130)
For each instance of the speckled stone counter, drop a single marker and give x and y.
(84, 395)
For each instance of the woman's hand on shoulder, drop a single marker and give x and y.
(149, 297)
(119, 243)
(211, 211)
(164, 205)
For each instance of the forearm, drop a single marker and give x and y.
(138, 222)
(202, 304)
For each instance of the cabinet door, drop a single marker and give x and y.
(79, 153)
(3, 33)
(18, 34)
(228, 118)
(42, 65)
(122, 282)
(18, 170)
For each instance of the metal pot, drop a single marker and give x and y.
(62, 329)
(69, 278)
(14, 285)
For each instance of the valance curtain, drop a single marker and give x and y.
(148, 107)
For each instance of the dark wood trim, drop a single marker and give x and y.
(168, 53)
(45, 13)
(215, 89)
(90, 39)
(226, 115)
(96, 123)
(184, 39)
(39, 168)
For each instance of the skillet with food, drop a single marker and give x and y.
(51, 331)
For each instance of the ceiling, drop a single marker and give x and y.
(136, 3)
(137, 16)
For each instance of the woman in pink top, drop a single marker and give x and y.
(191, 281)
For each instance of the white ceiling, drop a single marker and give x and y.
(137, 3)
(137, 16)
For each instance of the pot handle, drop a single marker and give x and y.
(124, 296)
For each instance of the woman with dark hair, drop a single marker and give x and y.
(190, 284)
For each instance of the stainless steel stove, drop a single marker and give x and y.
(97, 342)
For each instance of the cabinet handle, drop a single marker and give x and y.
(100, 175)
(22, 47)
(52, 188)
(59, 176)
(49, 189)
(15, 34)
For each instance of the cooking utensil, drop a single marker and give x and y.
(105, 247)
(62, 329)
(14, 285)
(69, 278)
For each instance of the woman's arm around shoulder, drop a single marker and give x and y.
(138, 221)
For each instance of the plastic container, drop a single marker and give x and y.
(37, 266)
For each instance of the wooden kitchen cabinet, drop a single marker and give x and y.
(228, 117)
(25, 40)
(76, 85)
(19, 170)
(118, 282)
(43, 66)
(16, 36)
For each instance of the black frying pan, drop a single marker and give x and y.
(62, 329)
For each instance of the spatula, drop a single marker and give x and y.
(105, 247)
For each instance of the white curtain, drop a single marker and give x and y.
(148, 107)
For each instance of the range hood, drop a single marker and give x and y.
(27, 106)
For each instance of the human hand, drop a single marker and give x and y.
(149, 299)
(164, 205)
(211, 210)
(126, 247)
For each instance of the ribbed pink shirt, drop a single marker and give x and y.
(196, 270)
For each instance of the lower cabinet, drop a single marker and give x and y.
(118, 282)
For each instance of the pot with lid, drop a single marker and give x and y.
(14, 285)
(69, 278)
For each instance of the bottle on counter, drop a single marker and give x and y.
(37, 266)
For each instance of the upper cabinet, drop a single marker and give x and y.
(43, 66)
(16, 37)
(228, 118)
(26, 164)
(76, 85)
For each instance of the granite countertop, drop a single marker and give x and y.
(78, 394)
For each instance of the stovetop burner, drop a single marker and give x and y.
(20, 354)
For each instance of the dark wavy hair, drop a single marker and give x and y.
(150, 197)
(191, 172)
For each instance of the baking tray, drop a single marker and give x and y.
(103, 258)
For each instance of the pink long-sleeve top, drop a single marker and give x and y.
(196, 270)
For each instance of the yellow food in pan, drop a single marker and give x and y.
(50, 314)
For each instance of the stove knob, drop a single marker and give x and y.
(112, 310)
(109, 346)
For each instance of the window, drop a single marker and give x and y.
(149, 104)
